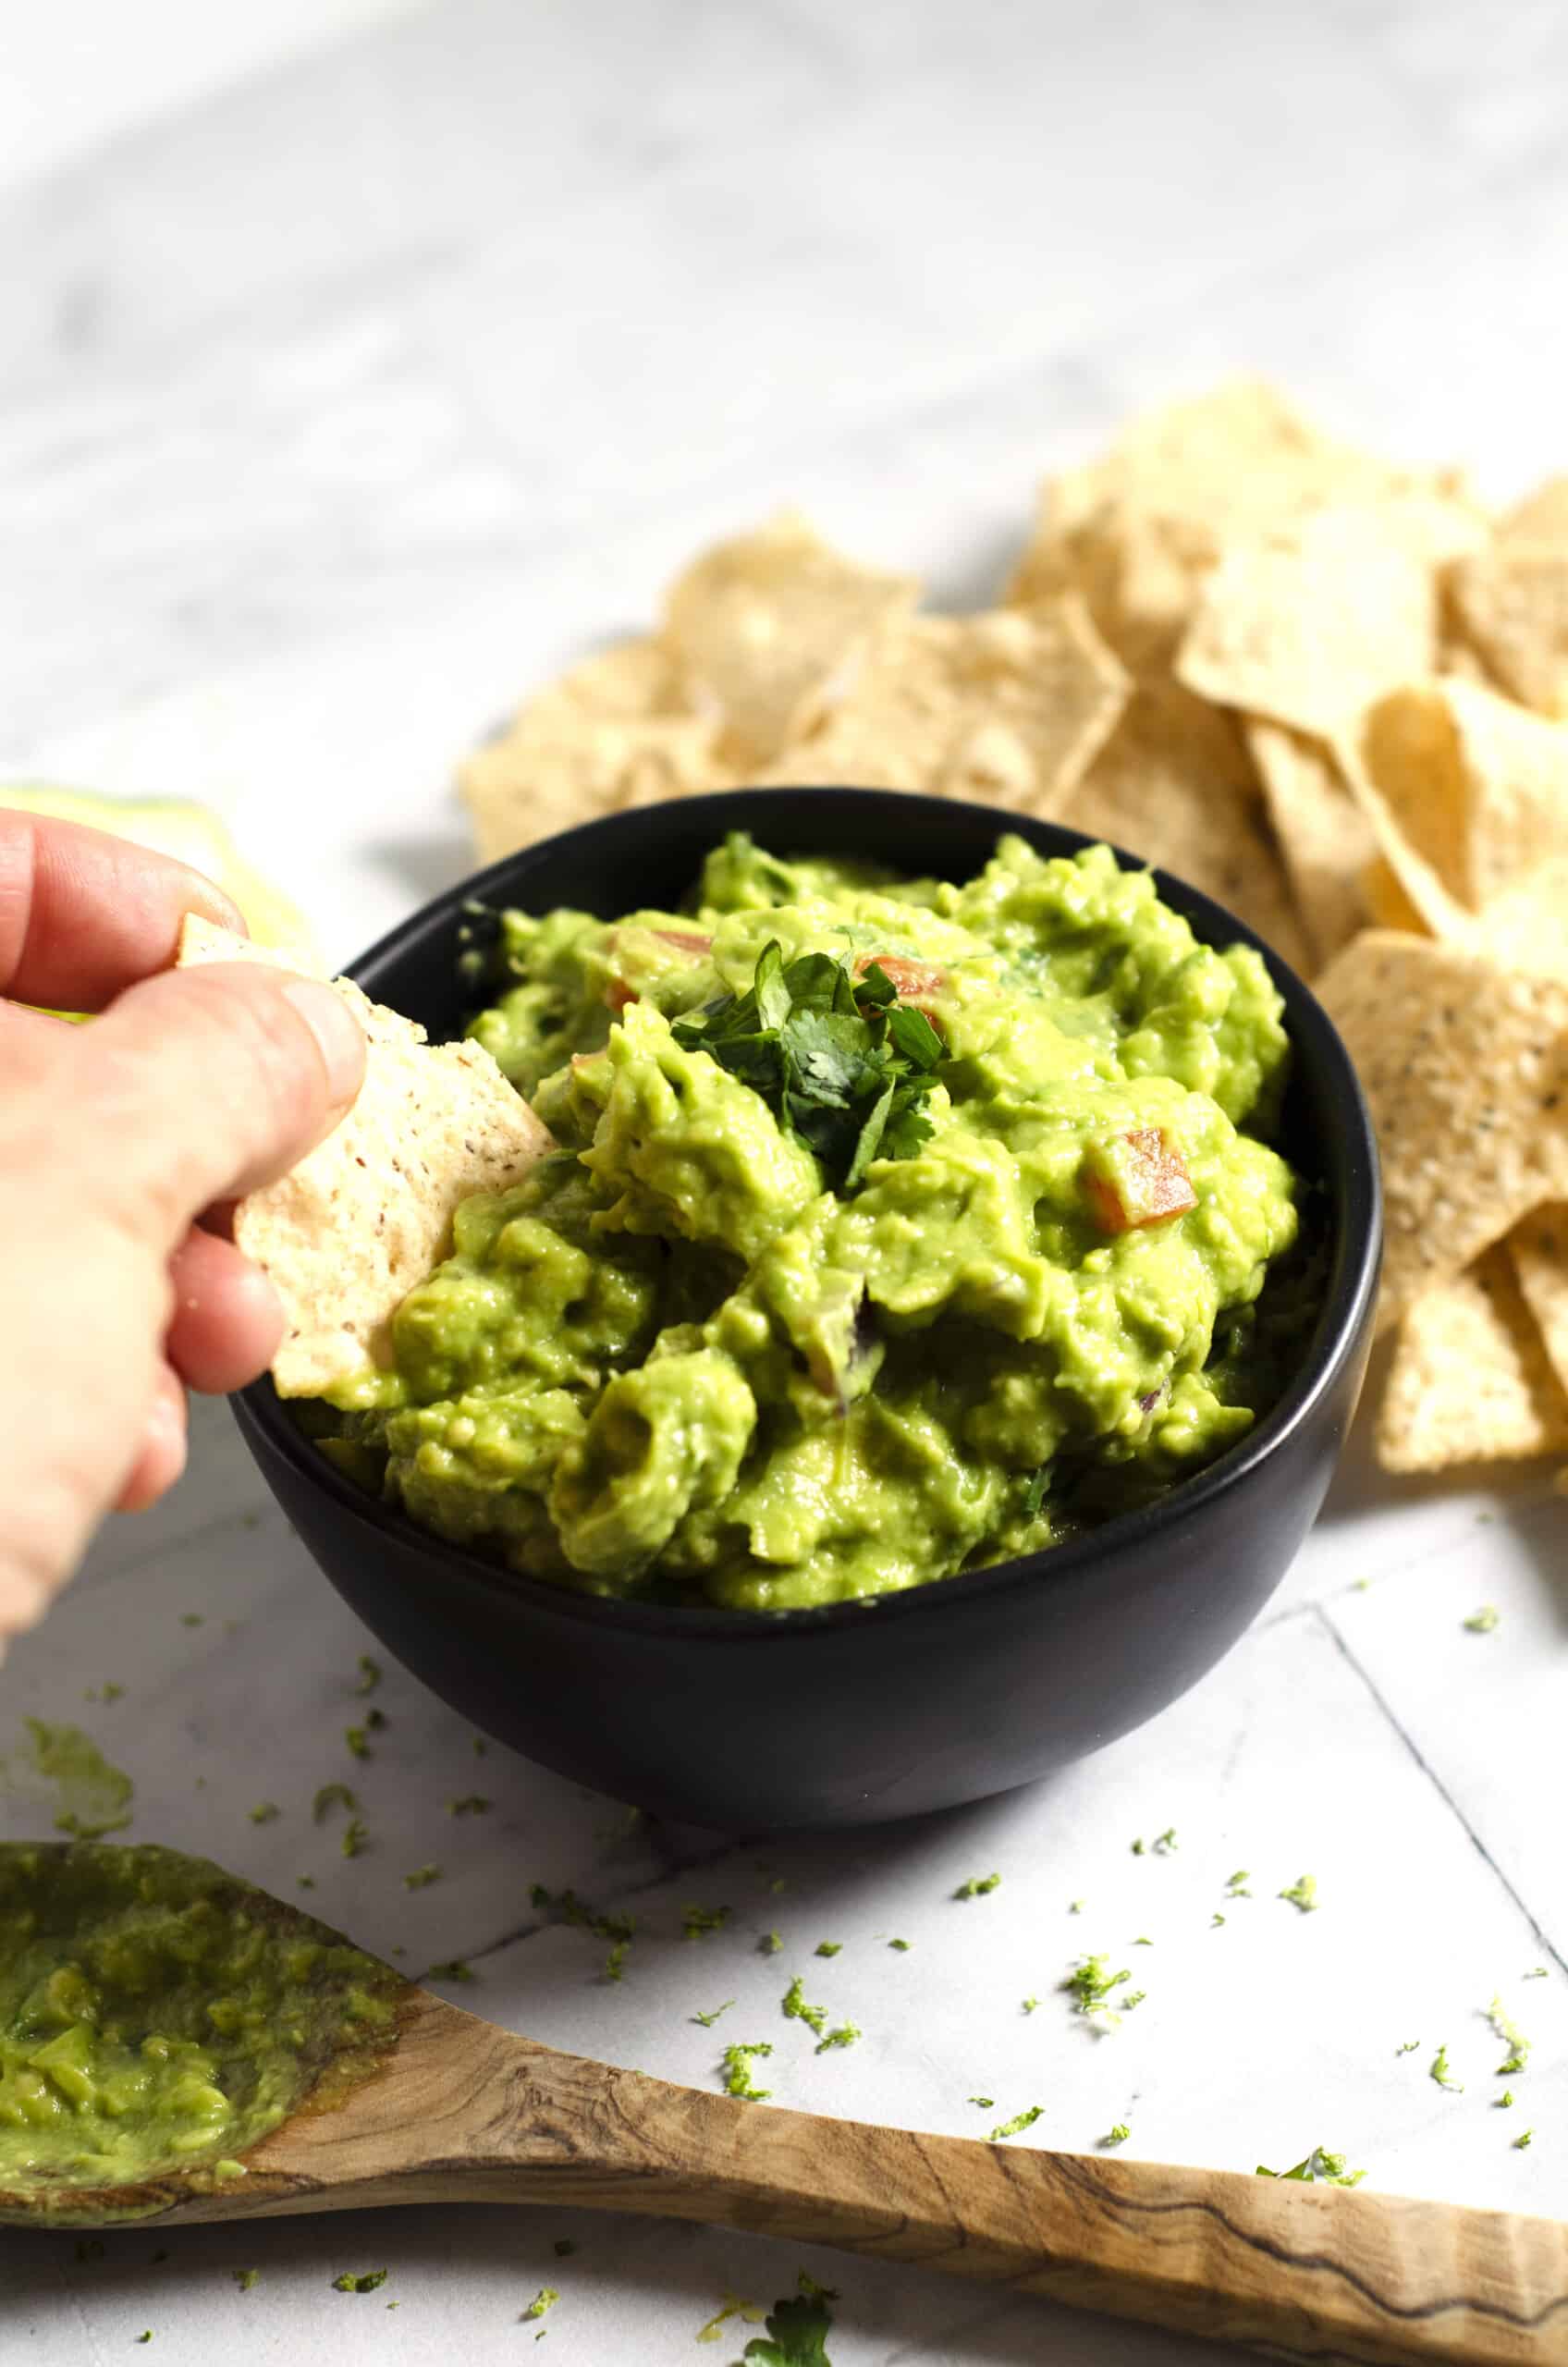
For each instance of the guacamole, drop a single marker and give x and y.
(896, 1227)
(157, 2016)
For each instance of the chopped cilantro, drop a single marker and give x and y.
(1117, 2135)
(355, 1738)
(1090, 1986)
(107, 1691)
(369, 2282)
(454, 1971)
(1522, 2139)
(770, 1944)
(844, 2034)
(472, 1804)
(1321, 2166)
(797, 2330)
(1513, 2036)
(330, 1797)
(1482, 1622)
(1303, 1892)
(842, 1064)
(696, 1923)
(1165, 1842)
(1035, 1493)
(1237, 1885)
(615, 1963)
(546, 2299)
(370, 1674)
(1075, 1907)
(374, 1720)
(1020, 2120)
(735, 2306)
(1505, 2099)
(354, 1837)
(307, 1882)
(146, 2338)
(1214, 1918)
(977, 1886)
(190, 1619)
(1139, 1847)
(1409, 2047)
(827, 1947)
(987, 2104)
(738, 2061)
(247, 2278)
(794, 2008)
(902, 1947)
(1142, 1943)
(421, 1877)
(1439, 2072)
(1538, 1972)
(707, 2020)
(265, 1812)
(1030, 2004)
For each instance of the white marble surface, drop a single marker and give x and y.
(341, 401)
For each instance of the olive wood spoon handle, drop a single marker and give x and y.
(467, 2112)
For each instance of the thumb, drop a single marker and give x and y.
(201, 1084)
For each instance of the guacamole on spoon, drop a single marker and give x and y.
(894, 1227)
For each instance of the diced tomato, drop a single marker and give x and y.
(1139, 1180)
(911, 979)
(619, 992)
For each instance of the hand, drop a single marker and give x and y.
(117, 1139)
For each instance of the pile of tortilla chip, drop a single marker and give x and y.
(1327, 689)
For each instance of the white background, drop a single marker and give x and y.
(358, 365)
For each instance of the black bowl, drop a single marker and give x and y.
(862, 1710)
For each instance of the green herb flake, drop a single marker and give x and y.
(330, 1797)
(1439, 2072)
(1215, 1921)
(190, 1619)
(546, 2299)
(247, 2279)
(1140, 1848)
(1035, 1493)
(1320, 2168)
(472, 1804)
(987, 2104)
(1090, 1985)
(1117, 2135)
(707, 2020)
(1142, 1943)
(1482, 1622)
(738, 2061)
(1505, 2099)
(844, 2034)
(355, 1738)
(696, 1923)
(794, 2008)
(355, 1838)
(1165, 1842)
(106, 1692)
(1303, 1894)
(1522, 2139)
(797, 2329)
(1030, 2004)
(455, 1970)
(307, 1882)
(978, 1886)
(844, 1066)
(1075, 1907)
(146, 2338)
(265, 1812)
(369, 2282)
(376, 1721)
(902, 1947)
(421, 1877)
(827, 1947)
(1019, 2121)
(734, 2306)
(770, 1944)
(370, 1674)
(1513, 2038)
(1536, 1972)
(1409, 2047)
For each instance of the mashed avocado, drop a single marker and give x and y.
(158, 2016)
(896, 1227)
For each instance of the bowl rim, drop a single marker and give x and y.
(1346, 1302)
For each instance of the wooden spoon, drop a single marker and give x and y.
(463, 2111)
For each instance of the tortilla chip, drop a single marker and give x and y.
(766, 626)
(1174, 786)
(1538, 1245)
(1513, 601)
(1470, 1380)
(1542, 517)
(1327, 842)
(367, 1214)
(1308, 631)
(1138, 531)
(535, 781)
(1527, 927)
(1464, 1066)
(1388, 906)
(1010, 709)
(1474, 790)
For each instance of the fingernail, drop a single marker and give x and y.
(339, 1037)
